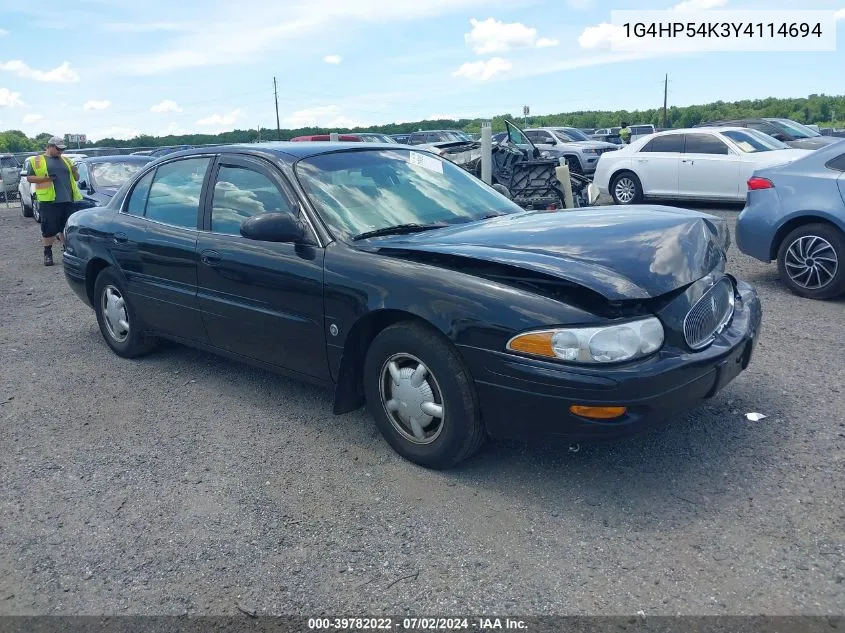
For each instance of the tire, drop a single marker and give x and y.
(36, 212)
(446, 386)
(811, 261)
(133, 342)
(25, 210)
(625, 188)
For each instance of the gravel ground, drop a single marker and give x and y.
(183, 483)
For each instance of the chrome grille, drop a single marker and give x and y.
(710, 314)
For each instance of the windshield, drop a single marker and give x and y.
(357, 192)
(795, 129)
(571, 134)
(372, 137)
(750, 143)
(113, 175)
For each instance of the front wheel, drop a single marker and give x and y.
(36, 211)
(25, 210)
(120, 327)
(626, 188)
(421, 396)
(811, 261)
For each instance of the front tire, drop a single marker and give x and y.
(119, 325)
(36, 211)
(421, 396)
(574, 165)
(811, 261)
(626, 188)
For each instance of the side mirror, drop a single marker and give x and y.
(83, 185)
(273, 227)
(780, 136)
(23, 173)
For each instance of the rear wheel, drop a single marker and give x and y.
(421, 396)
(120, 327)
(811, 261)
(626, 188)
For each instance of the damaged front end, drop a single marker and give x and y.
(521, 173)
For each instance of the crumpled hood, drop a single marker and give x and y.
(636, 252)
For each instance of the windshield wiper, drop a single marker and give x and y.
(400, 229)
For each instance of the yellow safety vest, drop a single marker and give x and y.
(46, 191)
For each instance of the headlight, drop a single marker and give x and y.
(589, 151)
(594, 345)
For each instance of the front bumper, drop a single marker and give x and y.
(526, 399)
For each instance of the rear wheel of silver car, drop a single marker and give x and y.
(626, 188)
(36, 211)
(811, 261)
(25, 210)
(421, 396)
(120, 327)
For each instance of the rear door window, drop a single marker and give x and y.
(670, 143)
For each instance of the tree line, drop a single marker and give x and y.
(817, 108)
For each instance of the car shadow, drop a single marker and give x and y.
(709, 457)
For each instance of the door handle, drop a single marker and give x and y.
(120, 238)
(210, 258)
(642, 160)
(688, 160)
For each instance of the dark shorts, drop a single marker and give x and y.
(54, 216)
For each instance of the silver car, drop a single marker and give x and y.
(9, 169)
(581, 153)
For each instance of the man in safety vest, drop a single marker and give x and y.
(54, 177)
(625, 133)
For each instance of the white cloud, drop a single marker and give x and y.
(492, 36)
(9, 99)
(140, 27)
(166, 106)
(59, 74)
(29, 119)
(601, 36)
(441, 117)
(221, 119)
(3, 32)
(839, 15)
(329, 116)
(332, 59)
(97, 105)
(482, 71)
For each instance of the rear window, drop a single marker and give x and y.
(8, 161)
(672, 143)
(837, 163)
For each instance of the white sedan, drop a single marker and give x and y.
(693, 164)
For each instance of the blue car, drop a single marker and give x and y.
(795, 213)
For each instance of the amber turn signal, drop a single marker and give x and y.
(537, 343)
(598, 413)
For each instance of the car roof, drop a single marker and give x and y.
(286, 149)
(117, 158)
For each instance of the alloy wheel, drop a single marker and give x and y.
(412, 399)
(811, 262)
(115, 314)
(625, 190)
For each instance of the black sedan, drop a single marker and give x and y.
(100, 178)
(405, 283)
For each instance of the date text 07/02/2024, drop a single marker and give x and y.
(721, 29)
(417, 624)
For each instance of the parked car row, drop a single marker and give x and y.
(794, 198)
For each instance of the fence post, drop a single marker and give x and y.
(487, 152)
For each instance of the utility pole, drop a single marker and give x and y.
(665, 95)
(278, 127)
